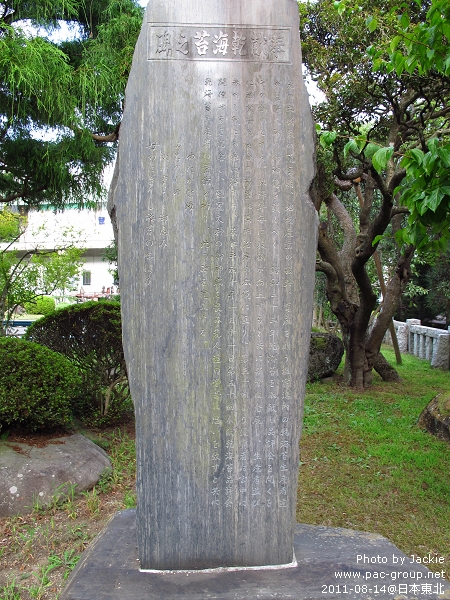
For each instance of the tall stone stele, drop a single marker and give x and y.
(216, 238)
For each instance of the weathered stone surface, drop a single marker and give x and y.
(216, 239)
(435, 417)
(109, 569)
(325, 354)
(30, 475)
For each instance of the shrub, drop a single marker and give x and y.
(37, 385)
(42, 305)
(90, 335)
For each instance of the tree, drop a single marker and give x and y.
(26, 275)
(61, 101)
(383, 128)
(110, 256)
(90, 336)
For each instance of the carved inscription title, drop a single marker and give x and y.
(219, 42)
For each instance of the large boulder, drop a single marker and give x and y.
(435, 417)
(31, 475)
(325, 354)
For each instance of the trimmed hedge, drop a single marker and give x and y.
(37, 386)
(42, 305)
(90, 335)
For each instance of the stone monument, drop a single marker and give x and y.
(216, 239)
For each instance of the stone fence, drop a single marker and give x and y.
(428, 343)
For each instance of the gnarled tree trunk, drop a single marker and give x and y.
(349, 289)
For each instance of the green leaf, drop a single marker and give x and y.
(399, 62)
(410, 64)
(421, 208)
(377, 239)
(404, 20)
(402, 237)
(394, 43)
(372, 24)
(327, 138)
(318, 127)
(444, 155)
(370, 150)
(447, 65)
(340, 7)
(434, 199)
(428, 162)
(381, 157)
(446, 30)
(417, 155)
(361, 141)
(351, 146)
(378, 64)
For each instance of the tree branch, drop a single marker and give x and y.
(325, 267)
(22, 194)
(329, 255)
(399, 210)
(112, 137)
(390, 300)
(395, 180)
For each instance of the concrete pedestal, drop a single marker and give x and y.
(373, 567)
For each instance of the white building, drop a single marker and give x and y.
(90, 229)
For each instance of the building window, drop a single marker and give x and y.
(86, 278)
(101, 220)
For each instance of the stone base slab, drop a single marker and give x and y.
(109, 569)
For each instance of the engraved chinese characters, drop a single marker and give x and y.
(216, 245)
(218, 42)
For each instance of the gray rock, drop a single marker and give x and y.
(435, 417)
(30, 475)
(325, 354)
(217, 241)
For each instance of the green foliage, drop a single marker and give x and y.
(419, 39)
(43, 305)
(26, 276)
(408, 66)
(423, 48)
(426, 192)
(110, 256)
(327, 138)
(385, 130)
(90, 335)
(9, 225)
(37, 386)
(60, 100)
(381, 158)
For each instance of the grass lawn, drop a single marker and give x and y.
(365, 465)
